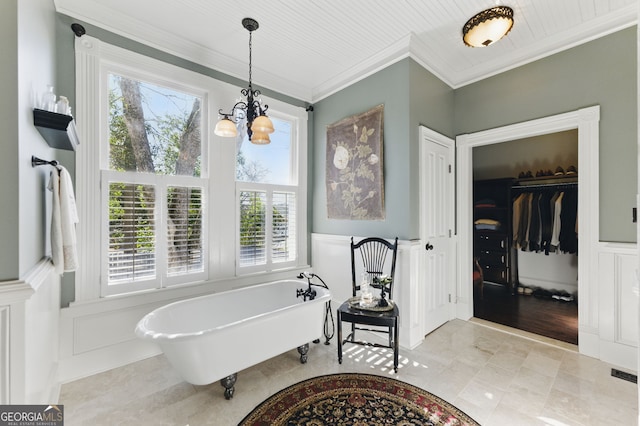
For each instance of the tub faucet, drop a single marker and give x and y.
(309, 292)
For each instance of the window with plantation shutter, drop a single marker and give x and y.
(154, 196)
(267, 194)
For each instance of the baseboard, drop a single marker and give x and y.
(98, 361)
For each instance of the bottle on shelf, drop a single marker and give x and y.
(49, 100)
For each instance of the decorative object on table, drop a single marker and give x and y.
(372, 258)
(353, 398)
(354, 167)
(383, 282)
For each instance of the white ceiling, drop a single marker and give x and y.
(310, 49)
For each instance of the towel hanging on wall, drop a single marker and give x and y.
(64, 217)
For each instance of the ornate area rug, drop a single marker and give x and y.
(355, 399)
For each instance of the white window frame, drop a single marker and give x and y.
(94, 62)
(298, 186)
(92, 57)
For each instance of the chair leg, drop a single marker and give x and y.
(396, 346)
(339, 338)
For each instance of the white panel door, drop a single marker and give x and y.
(437, 193)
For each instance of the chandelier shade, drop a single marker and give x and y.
(259, 126)
(260, 138)
(226, 128)
(488, 26)
(262, 124)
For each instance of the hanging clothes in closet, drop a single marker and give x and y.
(545, 218)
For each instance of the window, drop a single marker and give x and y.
(160, 199)
(267, 190)
(153, 193)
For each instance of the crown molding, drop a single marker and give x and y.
(581, 34)
(409, 46)
(149, 35)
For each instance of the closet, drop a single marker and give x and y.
(529, 270)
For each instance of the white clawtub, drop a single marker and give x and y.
(212, 337)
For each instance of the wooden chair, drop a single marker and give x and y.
(373, 253)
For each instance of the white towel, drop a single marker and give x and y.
(64, 217)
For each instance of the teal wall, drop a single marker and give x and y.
(602, 72)
(9, 144)
(411, 96)
(431, 105)
(28, 59)
(387, 87)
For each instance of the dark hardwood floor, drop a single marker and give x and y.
(546, 317)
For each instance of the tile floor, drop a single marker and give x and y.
(496, 377)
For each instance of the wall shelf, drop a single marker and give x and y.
(59, 130)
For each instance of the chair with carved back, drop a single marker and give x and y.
(375, 259)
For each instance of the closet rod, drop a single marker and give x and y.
(564, 185)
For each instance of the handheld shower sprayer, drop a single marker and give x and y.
(311, 294)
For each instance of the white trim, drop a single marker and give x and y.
(587, 122)
(29, 332)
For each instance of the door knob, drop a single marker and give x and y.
(428, 246)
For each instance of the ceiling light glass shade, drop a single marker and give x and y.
(226, 128)
(262, 124)
(488, 26)
(260, 138)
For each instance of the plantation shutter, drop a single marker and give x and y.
(283, 227)
(252, 228)
(132, 227)
(184, 230)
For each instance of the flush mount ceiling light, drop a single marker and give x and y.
(488, 26)
(259, 126)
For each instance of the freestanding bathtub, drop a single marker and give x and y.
(212, 337)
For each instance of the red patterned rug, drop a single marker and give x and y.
(355, 399)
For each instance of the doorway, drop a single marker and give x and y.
(527, 275)
(586, 121)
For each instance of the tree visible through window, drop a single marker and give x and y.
(155, 194)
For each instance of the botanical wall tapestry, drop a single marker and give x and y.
(355, 181)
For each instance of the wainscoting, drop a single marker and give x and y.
(98, 336)
(29, 324)
(618, 304)
(608, 329)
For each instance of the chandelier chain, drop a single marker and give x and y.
(250, 44)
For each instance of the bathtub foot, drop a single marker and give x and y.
(228, 383)
(302, 350)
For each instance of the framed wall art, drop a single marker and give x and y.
(354, 167)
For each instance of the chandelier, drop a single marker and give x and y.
(259, 126)
(488, 26)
